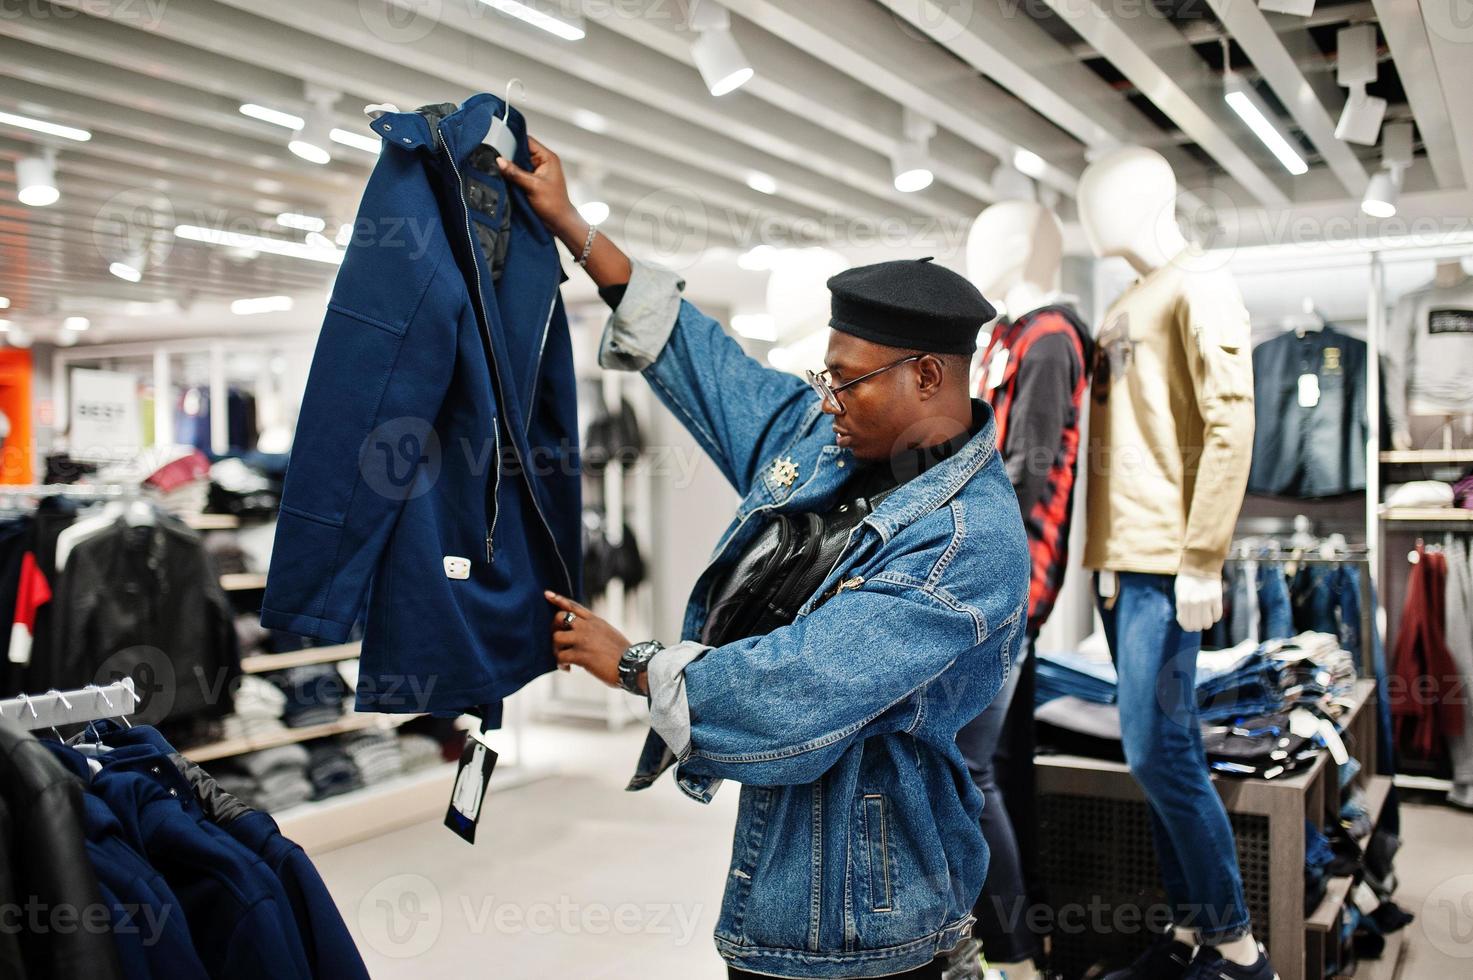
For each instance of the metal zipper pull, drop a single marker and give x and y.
(849, 583)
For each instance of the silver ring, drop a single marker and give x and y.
(568, 618)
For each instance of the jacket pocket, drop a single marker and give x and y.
(875, 846)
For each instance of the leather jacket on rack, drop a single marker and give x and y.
(47, 864)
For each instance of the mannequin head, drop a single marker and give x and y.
(1127, 205)
(1014, 252)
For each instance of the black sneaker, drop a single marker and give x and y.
(1167, 959)
(1209, 964)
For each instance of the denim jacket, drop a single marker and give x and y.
(858, 850)
(439, 422)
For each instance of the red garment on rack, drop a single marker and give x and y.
(1428, 708)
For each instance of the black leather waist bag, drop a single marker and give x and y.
(780, 569)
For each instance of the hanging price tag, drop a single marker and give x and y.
(477, 760)
(1309, 390)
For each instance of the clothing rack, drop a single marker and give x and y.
(1353, 556)
(56, 708)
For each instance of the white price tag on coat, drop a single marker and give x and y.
(1309, 390)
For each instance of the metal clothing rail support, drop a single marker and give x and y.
(56, 708)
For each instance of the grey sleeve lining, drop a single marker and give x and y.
(640, 325)
(669, 709)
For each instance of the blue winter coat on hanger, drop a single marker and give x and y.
(435, 468)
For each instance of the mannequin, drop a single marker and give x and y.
(1171, 434)
(1429, 352)
(1034, 372)
(1127, 204)
(1015, 252)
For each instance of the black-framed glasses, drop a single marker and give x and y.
(827, 391)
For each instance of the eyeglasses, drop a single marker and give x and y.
(823, 383)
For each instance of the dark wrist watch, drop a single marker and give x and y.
(635, 661)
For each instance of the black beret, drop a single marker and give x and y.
(912, 303)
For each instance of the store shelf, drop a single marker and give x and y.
(1377, 789)
(1385, 967)
(211, 522)
(242, 581)
(1327, 913)
(1411, 457)
(263, 662)
(1440, 515)
(225, 748)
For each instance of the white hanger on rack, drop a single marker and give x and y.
(375, 109)
(1308, 320)
(500, 137)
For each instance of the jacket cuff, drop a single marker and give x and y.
(638, 328)
(669, 710)
(1201, 563)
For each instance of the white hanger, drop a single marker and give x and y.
(1305, 322)
(500, 137)
(375, 109)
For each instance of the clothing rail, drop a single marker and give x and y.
(83, 490)
(56, 708)
(1356, 556)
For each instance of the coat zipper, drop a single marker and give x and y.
(496, 370)
(546, 324)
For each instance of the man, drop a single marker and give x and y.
(858, 851)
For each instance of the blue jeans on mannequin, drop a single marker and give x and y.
(1157, 661)
(1001, 909)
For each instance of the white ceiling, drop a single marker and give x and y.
(159, 86)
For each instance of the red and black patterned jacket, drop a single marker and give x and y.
(1037, 391)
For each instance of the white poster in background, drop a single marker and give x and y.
(105, 421)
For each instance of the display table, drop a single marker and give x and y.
(1099, 866)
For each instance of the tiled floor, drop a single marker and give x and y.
(575, 877)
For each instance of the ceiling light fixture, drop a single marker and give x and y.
(129, 269)
(311, 141)
(758, 258)
(301, 222)
(1380, 199)
(910, 163)
(261, 304)
(761, 183)
(42, 126)
(720, 60)
(76, 323)
(258, 243)
(1244, 100)
(368, 144)
(4, 302)
(528, 14)
(1030, 163)
(1355, 68)
(274, 116)
(35, 180)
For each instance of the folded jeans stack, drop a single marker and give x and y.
(331, 771)
(314, 694)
